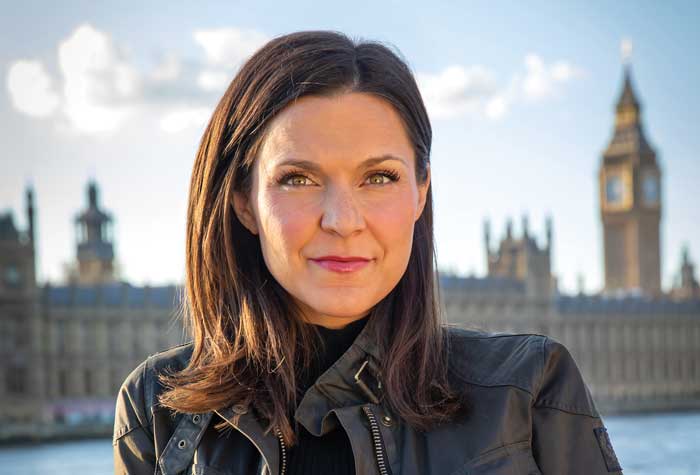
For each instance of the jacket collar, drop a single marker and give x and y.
(353, 379)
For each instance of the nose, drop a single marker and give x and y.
(342, 214)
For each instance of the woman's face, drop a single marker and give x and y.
(335, 176)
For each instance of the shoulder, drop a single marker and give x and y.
(146, 373)
(138, 394)
(535, 363)
(496, 359)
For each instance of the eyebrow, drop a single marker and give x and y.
(315, 167)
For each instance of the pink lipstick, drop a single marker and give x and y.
(342, 264)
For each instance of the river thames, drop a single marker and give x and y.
(652, 444)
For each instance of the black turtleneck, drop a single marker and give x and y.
(330, 453)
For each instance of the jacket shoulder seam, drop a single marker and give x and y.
(564, 408)
(496, 385)
(487, 336)
(126, 430)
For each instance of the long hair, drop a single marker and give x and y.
(240, 318)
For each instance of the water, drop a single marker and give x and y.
(657, 444)
(654, 444)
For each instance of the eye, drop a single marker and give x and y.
(297, 179)
(296, 176)
(390, 175)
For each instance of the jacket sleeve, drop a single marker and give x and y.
(133, 443)
(568, 433)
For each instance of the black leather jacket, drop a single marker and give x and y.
(532, 414)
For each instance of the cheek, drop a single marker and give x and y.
(392, 223)
(285, 224)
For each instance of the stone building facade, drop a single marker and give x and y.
(66, 349)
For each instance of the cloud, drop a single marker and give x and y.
(457, 90)
(179, 120)
(225, 50)
(229, 47)
(31, 90)
(541, 80)
(474, 91)
(102, 87)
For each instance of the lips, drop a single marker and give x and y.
(342, 259)
(342, 264)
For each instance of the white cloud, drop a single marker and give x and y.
(225, 50)
(496, 107)
(182, 119)
(31, 90)
(168, 70)
(541, 80)
(213, 80)
(100, 87)
(458, 90)
(229, 47)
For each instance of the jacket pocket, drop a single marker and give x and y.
(511, 459)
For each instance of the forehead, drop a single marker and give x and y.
(347, 127)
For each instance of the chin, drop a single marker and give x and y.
(337, 311)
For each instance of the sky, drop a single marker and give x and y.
(520, 96)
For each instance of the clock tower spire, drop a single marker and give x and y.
(630, 201)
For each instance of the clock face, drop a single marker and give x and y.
(613, 189)
(650, 189)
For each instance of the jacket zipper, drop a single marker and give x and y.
(377, 440)
(283, 452)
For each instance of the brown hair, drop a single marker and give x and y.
(240, 318)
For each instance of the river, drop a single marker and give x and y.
(652, 444)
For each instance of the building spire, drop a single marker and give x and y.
(628, 98)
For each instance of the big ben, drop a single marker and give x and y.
(630, 202)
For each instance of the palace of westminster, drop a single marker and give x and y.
(63, 348)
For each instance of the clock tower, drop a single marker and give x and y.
(630, 202)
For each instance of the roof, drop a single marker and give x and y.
(596, 304)
(111, 295)
(452, 282)
(8, 231)
(628, 97)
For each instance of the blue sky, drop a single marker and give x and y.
(520, 94)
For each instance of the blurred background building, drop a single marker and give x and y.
(67, 348)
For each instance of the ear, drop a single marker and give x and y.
(244, 212)
(423, 193)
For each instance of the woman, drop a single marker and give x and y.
(312, 302)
